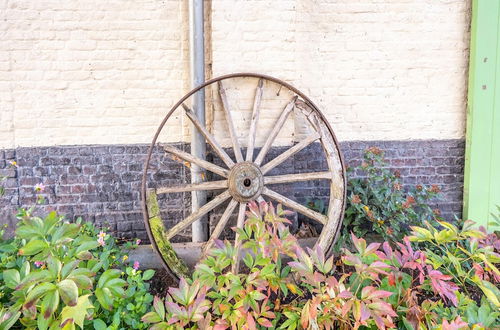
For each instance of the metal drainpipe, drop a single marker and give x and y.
(198, 148)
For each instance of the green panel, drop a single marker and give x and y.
(482, 159)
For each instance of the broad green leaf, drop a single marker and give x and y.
(33, 247)
(489, 290)
(25, 269)
(148, 274)
(68, 292)
(49, 221)
(8, 318)
(81, 281)
(78, 312)
(69, 267)
(66, 231)
(54, 266)
(104, 297)
(8, 248)
(50, 303)
(86, 246)
(99, 324)
(108, 275)
(42, 322)
(84, 255)
(11, 278)
(38, 291)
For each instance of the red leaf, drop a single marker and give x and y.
(392, 279)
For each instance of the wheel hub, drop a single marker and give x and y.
(245, 181)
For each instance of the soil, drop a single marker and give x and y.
(160, 283)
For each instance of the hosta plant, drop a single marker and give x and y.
(56, 274)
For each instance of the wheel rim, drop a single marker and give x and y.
(246, 180)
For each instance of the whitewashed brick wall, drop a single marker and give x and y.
(104, 72)
(378, 69)
(89, 71)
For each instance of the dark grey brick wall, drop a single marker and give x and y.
(102, 183)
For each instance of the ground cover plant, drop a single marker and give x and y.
(55, 274)
(410, 285)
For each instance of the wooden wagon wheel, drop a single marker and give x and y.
(246, 177)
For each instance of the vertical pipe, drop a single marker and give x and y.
(198, 149)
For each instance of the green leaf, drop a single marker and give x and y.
(50, 303)
(148, 274)
(159, 307)
(25, 269)
(99, 324)
(69, 267)
(66, 231)
(49, 221)
(248, 260)
(33, 247)
(151, 317)
(11, 278)
(84, 255)
(8, 319)
(42, 322)
(104, 297)
(490, 291)
(38, 291)
(407, 324)
(8, 248)
(81, 281)
(78, 312)
(68, 291)
(87, 245)
(115, 283)
(108, 275)
(54, 266)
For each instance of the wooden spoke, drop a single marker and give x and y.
(323, 219)
(275, 179)
(209, 137)
(260, 199)
(192, 159)
(211, 185)
(220, 226)
(230, 123)
(277, 127)
(237, 244)
(289, 153)
(255, 119)
(197, 214)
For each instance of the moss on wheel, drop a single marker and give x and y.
(164, 246)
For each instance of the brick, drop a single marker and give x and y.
(115, 197)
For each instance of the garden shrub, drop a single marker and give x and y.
(377, 203)
(55, 274)
(374, 286)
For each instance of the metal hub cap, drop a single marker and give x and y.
(245, 181)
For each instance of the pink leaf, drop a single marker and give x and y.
(372, 247)
(264, 322)
(345, 295)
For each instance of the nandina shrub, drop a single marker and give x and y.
(378, 203)
(373, 286)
